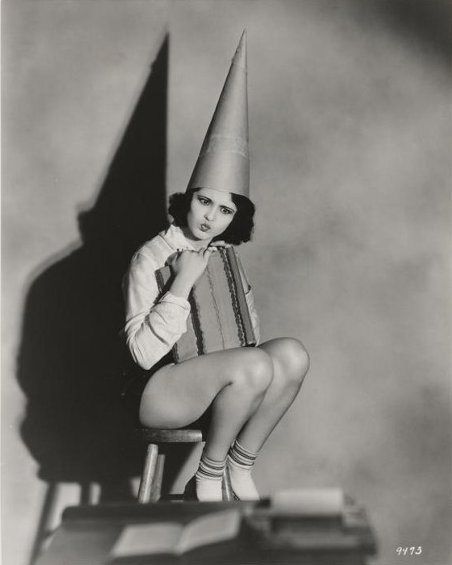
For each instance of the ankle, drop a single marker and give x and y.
(241, 457)
(240, 463)
(209, 477)
(210, 469)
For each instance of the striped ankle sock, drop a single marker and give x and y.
(240, 462)
(209, 478)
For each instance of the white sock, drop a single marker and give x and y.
(240, 463)
(209, 477)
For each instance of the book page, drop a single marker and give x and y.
(210, 528)
(147, 539)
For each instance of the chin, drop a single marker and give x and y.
(201, 235)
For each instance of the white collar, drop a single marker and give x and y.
(176, 239)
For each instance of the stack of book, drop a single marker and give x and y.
(307, 527)
(312, 521)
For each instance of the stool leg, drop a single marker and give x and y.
(44, 519)
(86, 493)
(156, 490)
(144, 494)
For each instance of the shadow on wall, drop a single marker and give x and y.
(428, 21)
(425, 23)
(71, 354)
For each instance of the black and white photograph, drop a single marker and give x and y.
(226, 282)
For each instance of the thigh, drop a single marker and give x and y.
(177, 395)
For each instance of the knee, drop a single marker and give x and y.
(295, 360)
(255, 372)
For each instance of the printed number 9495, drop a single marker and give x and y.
(409, 550)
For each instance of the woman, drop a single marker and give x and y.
(244, 391)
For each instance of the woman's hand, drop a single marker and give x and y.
(188, 266)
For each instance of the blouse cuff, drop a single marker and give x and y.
(172, 299)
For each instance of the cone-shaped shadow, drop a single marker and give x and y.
(70, 356)
(131, 206)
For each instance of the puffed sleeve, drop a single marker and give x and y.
(250, 301)
(152, 326)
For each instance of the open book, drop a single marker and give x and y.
(176, 538)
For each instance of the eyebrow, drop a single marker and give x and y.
(223, 205)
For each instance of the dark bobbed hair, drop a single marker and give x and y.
(238, 231)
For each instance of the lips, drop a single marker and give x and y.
(204, 227)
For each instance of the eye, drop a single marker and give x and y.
(227, 211)
(204, 201)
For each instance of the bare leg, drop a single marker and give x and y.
(249, 389)
(233, 381)
(290, 365)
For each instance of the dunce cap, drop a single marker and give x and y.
(223, 162)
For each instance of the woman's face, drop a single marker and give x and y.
(211, 211)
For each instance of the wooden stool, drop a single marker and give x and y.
(151, 478)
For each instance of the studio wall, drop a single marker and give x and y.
(105, 106)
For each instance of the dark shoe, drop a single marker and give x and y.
(190, 490)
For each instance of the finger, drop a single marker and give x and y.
(221, 244)
(208, 252)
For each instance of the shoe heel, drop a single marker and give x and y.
(226, 487)
(190, 490)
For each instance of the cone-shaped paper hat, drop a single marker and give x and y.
(223, 162)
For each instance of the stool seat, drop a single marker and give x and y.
(152, 476)
(155, 435)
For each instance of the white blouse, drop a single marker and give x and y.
(153, 326)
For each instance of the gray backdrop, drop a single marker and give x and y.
(105, 108)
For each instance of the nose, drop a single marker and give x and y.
(210, 214)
